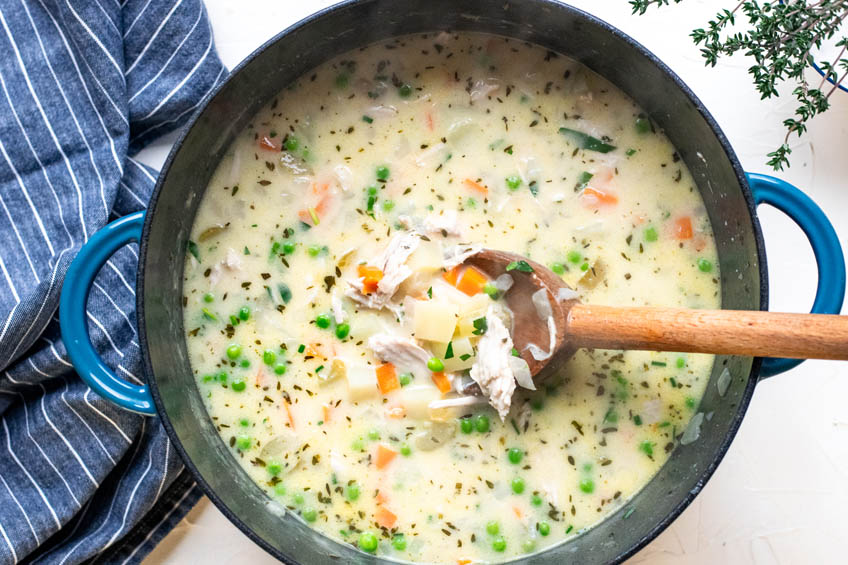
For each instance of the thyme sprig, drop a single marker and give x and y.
(779, 37)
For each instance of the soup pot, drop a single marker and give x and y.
(731, 198)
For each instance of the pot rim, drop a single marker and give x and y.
(753, 376)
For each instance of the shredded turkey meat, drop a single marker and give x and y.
(391, 263)
(492, 371)
(401, 352)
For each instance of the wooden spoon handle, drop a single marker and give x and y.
(731, 332)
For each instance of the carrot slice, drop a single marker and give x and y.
(381, 497)
(267, 143)
(452, 275)
(472, 281)
(326, 411)
(594, 198)
(387, 378)
(441, 381)
(384, 456)
(370, 277)
(384, 517)
(463, 561)
(476, 186)
(683, 228)
(396, 412)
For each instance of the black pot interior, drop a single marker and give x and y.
(555, 26)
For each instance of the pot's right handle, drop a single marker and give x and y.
(73, 321)
(830, 291)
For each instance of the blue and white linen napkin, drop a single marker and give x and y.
(84, 84)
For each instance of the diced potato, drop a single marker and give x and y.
(416, 399)
(426, 258)
(435, 320)
(368, 324)
(337, 370)
(461, 347)
(361, 382)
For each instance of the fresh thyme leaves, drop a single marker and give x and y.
(779, 38)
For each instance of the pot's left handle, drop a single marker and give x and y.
(72, 315)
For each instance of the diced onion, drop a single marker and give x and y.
(542, 304)
(536, 351)
(521, 371)
(458, 401)
(723, 382)
(504, 282)
(693, 430)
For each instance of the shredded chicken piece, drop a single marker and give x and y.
(231, 262)
(401, 352)
(492, 371)
(391, 263)
(445, 223)
(457, 254)
(336, 304)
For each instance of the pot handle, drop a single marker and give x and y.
(72, 315)
(830, 291)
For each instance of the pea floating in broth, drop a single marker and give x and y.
(335, 335)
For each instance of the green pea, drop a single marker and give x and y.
(279, 489)
(405, 90)
(587, 486)
(234, 351)
(481, 423)
(491, 290)
(647, 448)
(690, 402)
(528, 546)
(574, 257)
(222, 377)
(399, 542)
(544, 528)
(405, 379)
(323, 321)
(298, 499)
(643, 125)
(513, 182)
(368, 542)
(208, 297)
(372, 191)
(517, 485)
(466, 425)
(244, 422)
(269, 357)
(435, 364)
(238, 385)
(705, 265)
(244, 313)
(492, 528)
(243, 442)
(499, 544)
(273, 468)
(280, 369)
(288, 247)
(536, 500)
(681, 362)
(651, 234)
(291, 143)
(352, 492)
(388, 205)
(584, 267)
(245, 363)
(342, 330)
(313, 250)
(405, 450)
(309, 514)
(515, 455)
(373, 434)
(382, 172)
(558, 268)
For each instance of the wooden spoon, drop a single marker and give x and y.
(731, 332)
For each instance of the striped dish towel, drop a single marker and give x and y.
(84, 84)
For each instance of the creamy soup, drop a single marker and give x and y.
(339, 346)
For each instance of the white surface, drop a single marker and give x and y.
(781, 493)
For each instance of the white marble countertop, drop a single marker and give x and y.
(781, 492)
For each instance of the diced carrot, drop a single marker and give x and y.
(289, 413)
(463, 561)
(476, 186)
(384, 456)
(441, 381)
(428, 118)
(266, 142)
(325, 409)
(683, 228)
(370, 277)
(387, 378)
(381, 497)
(260, 376)
(320, 194)
(396, 412)
(517, 511)
(594, 198)
(384, 517)
(452, 275)
(472, 281)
